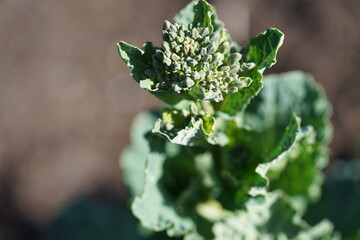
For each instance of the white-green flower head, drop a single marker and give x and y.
(195, 61)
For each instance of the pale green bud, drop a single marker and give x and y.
(167, 25)
(224, 47)
(235, 68)
(233, 90)
(192, 63)
(167, 61)
(206, 66)
(206, 40)
(203, 51)
(172, 36)
(194, 33)
(166, 46)
(204, 32)
(160, 54)
(195, 75)
(211, 48)
(234, 58)
(180, 39)
(188, 82)
(173, 28)
(176, 87)
(240, 84)
(175, 57)
(207, 58)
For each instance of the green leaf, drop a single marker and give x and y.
(152, 208)
(194, 133)
(285, 94)
(236, 103)
(264, 47)
(133, 157)
(137, 59)
(200, 14)
(260, 54)
(274, 218)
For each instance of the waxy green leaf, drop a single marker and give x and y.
(261, 54)
(263, 48)
(151, 207)
(137, 59)
(198, 13)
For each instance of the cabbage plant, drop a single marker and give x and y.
(232, 154)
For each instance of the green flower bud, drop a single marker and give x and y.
(188, 82)
(175, 57)
(206, 66)
(206, 40)
(224, 47)
(235, 68)
(166, 25)
(212, 48)
(194, 33)
(173, 28)
(204, 32)
(240, 84)
(195, 75)
(167, 53)
(234, 58)
(187, 70)
(172, 36)
(180, 39)
(166, 46)
(160, 54)
(207, 58)
(233, 90)
(165, 35)
(203, 51)
(224, 68)
(192, 63)
(177, 67)
(217, 58)
(173, 45)
(167, 61)
(214, 38)
(176, 87)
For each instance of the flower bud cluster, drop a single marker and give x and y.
(192, 59)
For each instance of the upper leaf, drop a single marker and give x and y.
(199, 13)
(137, 59)
(264, 47)
(283, 95)
(260, 54)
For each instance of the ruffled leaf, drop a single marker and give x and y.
(137, 59)
(261, 54)
(199, 13)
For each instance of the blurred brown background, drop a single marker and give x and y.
(67, 100)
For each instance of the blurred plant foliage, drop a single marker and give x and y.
(224, 160)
